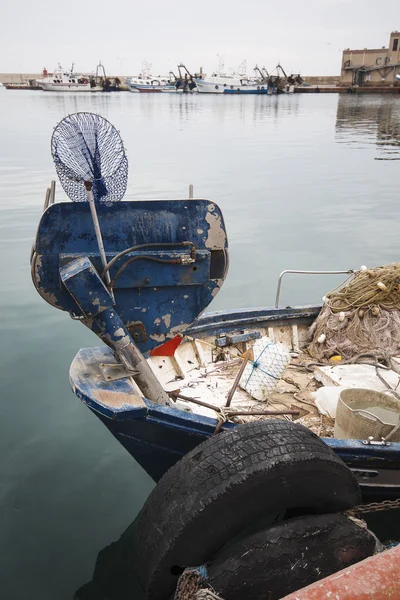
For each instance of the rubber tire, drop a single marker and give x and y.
(289, 556)
(228, 482)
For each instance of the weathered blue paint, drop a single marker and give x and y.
(96, 304)
(154, 301)
(83, 283)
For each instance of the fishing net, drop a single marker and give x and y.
(86, 147)
(262, 375)
(361, 316)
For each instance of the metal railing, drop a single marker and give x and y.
(278, 291)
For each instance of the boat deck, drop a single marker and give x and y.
(293, 393)
(204, 372)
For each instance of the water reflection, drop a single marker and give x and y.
(363, 120)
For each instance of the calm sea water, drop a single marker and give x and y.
(306, 182)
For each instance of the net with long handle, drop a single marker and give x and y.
(87, 148)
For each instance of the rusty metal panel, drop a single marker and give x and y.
(376, 578)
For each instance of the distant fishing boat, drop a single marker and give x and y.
(183, 82)
(262, 83)
(219, 80)
(229, 84)
(146, 82)
(137, 84)
(31, 85)
(69, 81)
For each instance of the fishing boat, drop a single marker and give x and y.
(160, 84)
(220, 80)
(261, 83)
(233, 86)
(30, 85)
(140, 275)
(146, 82)
(183, 82)
(62, 80)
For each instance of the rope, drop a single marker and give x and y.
(379, 286)
(362, 316)
(189, 582)
(188, 587)
(207, 594)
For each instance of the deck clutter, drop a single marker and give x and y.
(195, 399)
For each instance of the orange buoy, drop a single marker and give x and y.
(375, 578)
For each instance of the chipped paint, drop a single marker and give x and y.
(157, 321)
(120, 333)
(115, 399)
(177, 329)
(216, 237)
(167, 320)
(158, 337)
(200, 231)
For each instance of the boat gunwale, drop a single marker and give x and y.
(236, 318)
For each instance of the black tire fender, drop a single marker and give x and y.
(289, 556)
(227, 483)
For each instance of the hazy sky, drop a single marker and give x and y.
(304, 35)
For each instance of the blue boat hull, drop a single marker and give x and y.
(160, 438)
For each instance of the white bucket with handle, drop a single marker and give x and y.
(361, 414)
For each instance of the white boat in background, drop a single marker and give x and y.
(219, 81)
(261, 83)
(150, 84)
(146, 82)
(68, 81)
(183, 82)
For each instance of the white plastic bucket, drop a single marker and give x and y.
(361, 414)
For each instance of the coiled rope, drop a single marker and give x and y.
(362, 316)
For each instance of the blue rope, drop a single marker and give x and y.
(203, 572)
